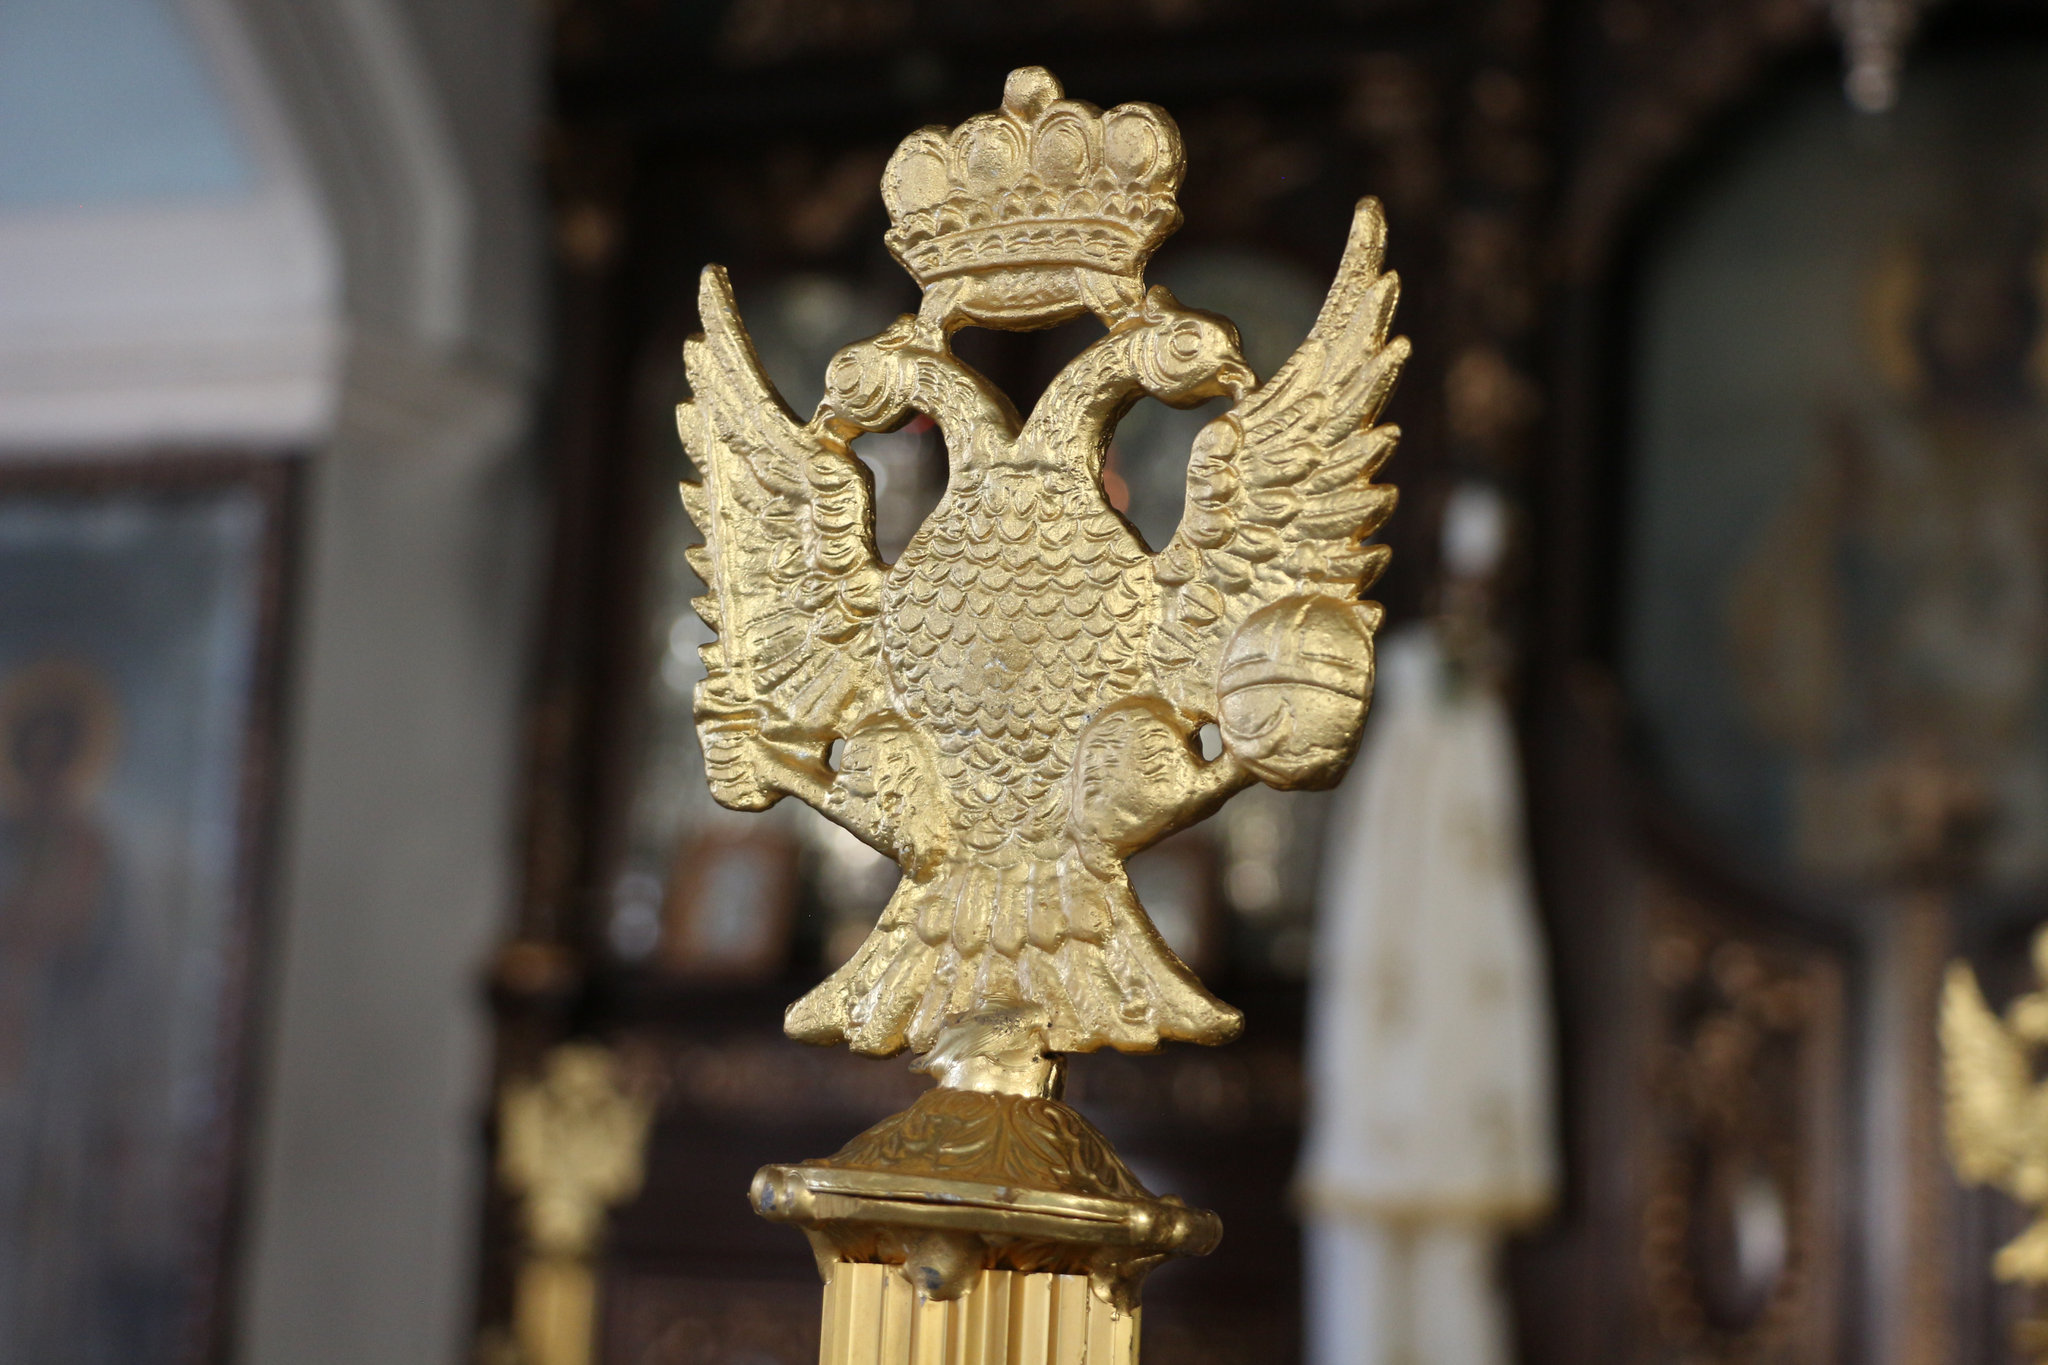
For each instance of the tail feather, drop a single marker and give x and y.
(1061, 936)
(1039, 978)
(1048, 925)
(974, 891)
(1094, 989)
(1085, 909)
(934, 918)
(945, 996)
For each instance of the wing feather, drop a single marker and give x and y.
(1280, 492)
(786, 511)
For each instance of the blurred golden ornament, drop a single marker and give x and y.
(571, 1146)
(1998, 1111)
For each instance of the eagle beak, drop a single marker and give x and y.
(1236, 379)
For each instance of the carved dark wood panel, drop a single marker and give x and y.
(1659, 91)
(1742, 1236)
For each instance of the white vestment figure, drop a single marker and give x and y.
(1430, 1126)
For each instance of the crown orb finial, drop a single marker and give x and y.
(1029, 89)
(1028, 215)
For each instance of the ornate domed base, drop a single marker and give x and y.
(987, 1224)
(963, 1182)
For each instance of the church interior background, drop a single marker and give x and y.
(346, 660)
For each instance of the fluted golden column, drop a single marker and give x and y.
(1005, 1317)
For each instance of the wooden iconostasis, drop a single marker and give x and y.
(1641, 288)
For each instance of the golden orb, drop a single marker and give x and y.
(1293, 688)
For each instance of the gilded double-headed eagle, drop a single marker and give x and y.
(1011, 709)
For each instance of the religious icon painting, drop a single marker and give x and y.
(731, 906)
(1836, 632)
(138, 622)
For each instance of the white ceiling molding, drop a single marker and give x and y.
(407, 403)
(418, 134)
(370, 118)
(163, 326)
(434, 186)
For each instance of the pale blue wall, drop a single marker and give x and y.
(107, 101)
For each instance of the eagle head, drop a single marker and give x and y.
(1184, 356)
(871, 384)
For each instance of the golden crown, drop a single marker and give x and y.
(1043, 182)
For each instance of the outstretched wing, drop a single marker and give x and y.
(1280, 491)
(789, 555)
(1988, 1082)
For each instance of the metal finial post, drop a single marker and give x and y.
(1015, 701)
